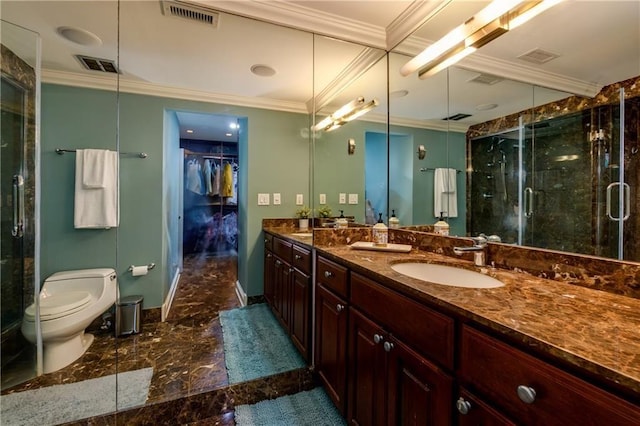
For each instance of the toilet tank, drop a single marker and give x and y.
(91, 280)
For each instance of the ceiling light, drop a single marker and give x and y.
(228, 134)
(189, 131)
(79, 36)
(263, 70)
(234, 126)
(345, 113)
(491, 22)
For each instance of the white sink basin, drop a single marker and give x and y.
(446, 275)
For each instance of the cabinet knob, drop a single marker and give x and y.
(266, 241)
(463, 406)
(339, 307)
(268, 254)
(526, 394)
(328, 274)
(290, 269)
(377, 338)
(388, 346)
(278, 262)
(298, 257)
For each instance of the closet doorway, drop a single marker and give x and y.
(210, 197)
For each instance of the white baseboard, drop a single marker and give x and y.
(172, 292)
(242, 296)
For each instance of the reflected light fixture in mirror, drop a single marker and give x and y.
(354, 109)
(491, 22)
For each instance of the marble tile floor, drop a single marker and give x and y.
(189, 383)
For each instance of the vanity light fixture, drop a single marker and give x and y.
(348, 112)
(490, 23)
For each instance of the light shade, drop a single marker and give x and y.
(345, 113)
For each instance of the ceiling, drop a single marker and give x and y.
(598, 43)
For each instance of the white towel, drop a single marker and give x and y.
(97, 207)
(444, 193)
(94, 173)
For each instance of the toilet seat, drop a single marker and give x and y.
(59, 305)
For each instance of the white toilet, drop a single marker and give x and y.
(69, 302)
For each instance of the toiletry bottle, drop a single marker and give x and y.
(380, 233)
(341, 222)
(394, 222)
(441, 227)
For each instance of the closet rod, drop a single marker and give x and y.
(61, 151)
(431, 169)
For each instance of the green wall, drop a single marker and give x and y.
(274, 157)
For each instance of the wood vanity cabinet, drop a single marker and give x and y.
(287, 289)
(531, 391)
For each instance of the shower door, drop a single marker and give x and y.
(17, 198)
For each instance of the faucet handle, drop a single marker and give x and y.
(480, 240)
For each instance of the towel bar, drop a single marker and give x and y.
(61, 151)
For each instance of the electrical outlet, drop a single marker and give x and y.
(263, 199)
(299, 199)
(276, 198)
(323, 198)
(353, 198)
(342, 198)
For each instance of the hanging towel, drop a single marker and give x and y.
(94, 172)
(444, 193)
(97, 207)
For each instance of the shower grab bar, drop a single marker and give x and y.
(528, 202)
(626, 209)
(18, 206)
(61, 151)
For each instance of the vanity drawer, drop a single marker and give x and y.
(501, 372)
(302, 259)
(282, 248)
(425, 330)
(332, 276)
(268, 241)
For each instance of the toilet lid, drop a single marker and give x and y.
(59, 305)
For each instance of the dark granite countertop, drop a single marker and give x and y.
(595, 331)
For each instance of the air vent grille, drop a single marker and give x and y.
(487, 79)
(538, 56)
(98, 64)
(457, 117)
(191, 12)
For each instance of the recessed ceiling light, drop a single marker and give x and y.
(486, 107)
(234, 126)
(263, 70)
(229, 134)
(79, 36)
(189, 131)
(399, 94)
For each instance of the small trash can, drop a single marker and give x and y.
(128, 315)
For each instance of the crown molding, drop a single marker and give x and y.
(110, 83)
(302, 18)
(412, 18)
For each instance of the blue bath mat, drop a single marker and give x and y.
(255, 345)
(310, 408)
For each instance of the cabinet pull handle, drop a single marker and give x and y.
(377, 338)
(328, 274)
(339, 307)
(18, 206)
(526, 394)
(463, 406)
(278, 262)
(298, 257)
(388, 346)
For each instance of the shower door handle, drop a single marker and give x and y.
(528, 202)
(626, 207)
(18, 206)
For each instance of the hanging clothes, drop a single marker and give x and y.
(227, 181)
(234, 197)
(216, 180)
(194, 177)
(207, 176)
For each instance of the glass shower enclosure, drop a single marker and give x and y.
(18, 155)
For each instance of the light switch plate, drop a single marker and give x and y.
(323, 198)
(342, 198)
(276, 198)
(263, 199)
(353, 198)
(299, 199)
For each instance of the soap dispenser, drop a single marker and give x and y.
(380, 233)
(441, 227)
(394, 222)
(341, 222)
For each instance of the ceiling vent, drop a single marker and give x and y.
(538, 56)
(486, 79)
(190, 12)
(97, 64)
(457, 117)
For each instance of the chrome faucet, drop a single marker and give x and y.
(478, 249)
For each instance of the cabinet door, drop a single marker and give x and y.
(473, 412)
(367, 372)
(268, 278)
(300, 312)
(281, 290)
(419, 393)
(331, 345)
